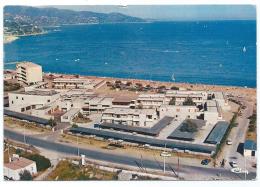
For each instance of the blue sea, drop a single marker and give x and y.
(208, 52)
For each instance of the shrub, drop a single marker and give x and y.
(75, 126)
(25, 175)
(174, 88)
(80, 115)
(52, 123)
(188, 102)
(42, 162)
(189, 126)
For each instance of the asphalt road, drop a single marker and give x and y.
(237, 136)
(126, 160)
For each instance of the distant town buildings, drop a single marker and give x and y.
(17, 165)
(28, 73)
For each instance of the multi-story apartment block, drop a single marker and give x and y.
(28, 73)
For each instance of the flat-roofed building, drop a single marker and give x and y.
(75, 83)
(13, 169)
(250, 148)
(150, 101)
(97, 104)
(180, 96)
(123, 101)
(68, 116)
(27, 100)
(28, 73)
(132, 117)
(9, 74)
(179, 112)
(212, 114)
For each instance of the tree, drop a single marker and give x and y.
(80, 115)
(42, 162)
(174, 88)
(172, 101)
(189, 126)
(25, 175)
(52, 122)
(75, 125)
(188, 102)
(128, 83)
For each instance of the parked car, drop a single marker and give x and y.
(229, 142)
(233, 164)
(205, 161)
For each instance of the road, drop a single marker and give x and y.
(188, 172)
(237, 136)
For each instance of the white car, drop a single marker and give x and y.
(236, 170)
(239, 170)
(234, 164)
(229, 142)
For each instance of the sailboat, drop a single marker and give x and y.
(173, 78)
(244, 49)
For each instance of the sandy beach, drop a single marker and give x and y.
(9, 39)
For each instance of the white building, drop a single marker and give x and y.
(179, 112)
(28, 73)
(250, 148)
(68, 116)
(127, 116)
(25, 101)
(212, 114)
(180, 96)
(150, 100)
(13, 169)
(75, 83)
(97, 104)
(9, 74)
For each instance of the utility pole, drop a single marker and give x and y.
(24, 134)
(78, 144)
(245, 168)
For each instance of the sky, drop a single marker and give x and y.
(175, 12)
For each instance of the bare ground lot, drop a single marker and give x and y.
(22, 126)
(139, 152)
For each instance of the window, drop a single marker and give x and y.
(22, 98)
(16, 97)
(12, 102)
(48, 100)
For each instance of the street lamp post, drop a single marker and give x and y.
(165, 154)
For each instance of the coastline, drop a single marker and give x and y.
(12, 38)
